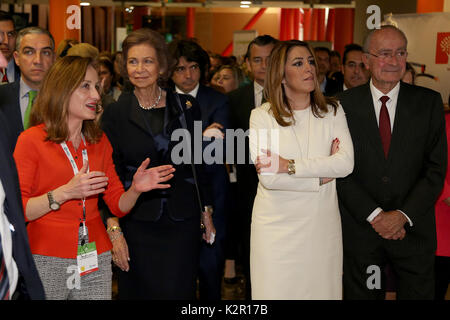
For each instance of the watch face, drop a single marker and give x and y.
(54, 206)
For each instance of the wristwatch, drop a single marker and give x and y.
(291, 167)
(52, 203)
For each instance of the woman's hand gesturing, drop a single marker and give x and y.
(148, 179)
(85, 184)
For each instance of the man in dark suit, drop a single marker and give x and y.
(20, 277)
(34, 56)
(10, 72)
(387, 203)
(242, 101)
(353, 69)
(188, 77)
(328, 86)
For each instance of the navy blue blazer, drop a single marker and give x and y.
(29, 285)
(10, 107)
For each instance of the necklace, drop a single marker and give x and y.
(154, 104)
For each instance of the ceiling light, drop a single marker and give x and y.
(84, 4)
(246, 2)
(244, 6)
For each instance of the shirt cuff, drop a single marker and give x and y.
(409, 220)
(374, 214)
(378, 210)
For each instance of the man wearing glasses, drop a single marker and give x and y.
(353, 69)
(387, 203)
(11, 72)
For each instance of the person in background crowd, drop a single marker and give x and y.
(110, 92)
(410, 74)
(229, 77)
(328, 86)
(157, 245)
(296, 238)
(10, 72)
(34, 56)
(84, 50)
(242, 101)
(61, 206)
(64, 46)
(188, 77)
(353, 69)
(387, 203)
(19, 278)
(336, 67)
(442, 207)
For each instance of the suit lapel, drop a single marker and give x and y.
(136, 115)
(369, 121)
(400, 130)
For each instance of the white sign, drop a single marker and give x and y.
(241, 39)
(429, 44)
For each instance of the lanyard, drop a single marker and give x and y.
(75, 171)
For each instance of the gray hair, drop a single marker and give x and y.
(33, 30)
(383, 27)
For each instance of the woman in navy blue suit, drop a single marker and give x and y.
(158, 253)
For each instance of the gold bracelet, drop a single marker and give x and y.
(114, 229)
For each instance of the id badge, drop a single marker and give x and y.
(87, 258)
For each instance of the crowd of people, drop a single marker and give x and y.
(345, 170)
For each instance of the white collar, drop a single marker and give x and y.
(192, 93)
(24, 88)
(377, 94)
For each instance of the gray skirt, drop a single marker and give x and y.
(62, 281)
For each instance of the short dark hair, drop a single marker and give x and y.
(348, 48)
(263, 40)
(5, 16)
(324, 49)
(192, 52)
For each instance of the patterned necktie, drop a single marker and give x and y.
(26, 119)
(4, 280)
(4, 77)
(385, 126)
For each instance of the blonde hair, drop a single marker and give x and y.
(274, 89)
(84, 50)
(51, 107)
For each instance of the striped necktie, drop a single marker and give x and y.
(4, 77)
(4, 280)
(385, 126)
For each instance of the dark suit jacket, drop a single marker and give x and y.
(10, 107)
(410, 179)
(127, 131)
(29, 285)
(242, 102)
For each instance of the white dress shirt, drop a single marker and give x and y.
(193, 93)
(5, 231)
(391, 106)
(258, 91)
(10, 72)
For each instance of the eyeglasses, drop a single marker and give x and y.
(384, 55)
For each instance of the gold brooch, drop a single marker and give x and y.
(188, 104)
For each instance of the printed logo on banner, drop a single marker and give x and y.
(442, 47)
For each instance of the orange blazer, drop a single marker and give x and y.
(43, 166)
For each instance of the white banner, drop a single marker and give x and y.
(429, 45)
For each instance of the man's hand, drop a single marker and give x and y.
(389, 225)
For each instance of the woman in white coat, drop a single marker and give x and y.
(299, 142)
